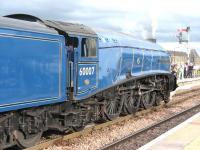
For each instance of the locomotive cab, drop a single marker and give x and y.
(82, 58)
(83, 63)
(81, 55)
(87, 64)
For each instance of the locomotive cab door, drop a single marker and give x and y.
(86, 67)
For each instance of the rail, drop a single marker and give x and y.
(135, 134)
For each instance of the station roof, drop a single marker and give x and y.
(178, 53)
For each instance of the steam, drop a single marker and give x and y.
(144, 27)
(147, 31)
(154, 22)
(150, 25)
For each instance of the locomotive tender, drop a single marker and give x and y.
(62, 76)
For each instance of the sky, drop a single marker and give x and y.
(136, 17)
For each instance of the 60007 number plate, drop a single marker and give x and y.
(84, 71)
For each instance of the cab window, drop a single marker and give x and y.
(88, 47)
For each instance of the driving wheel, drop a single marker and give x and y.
(131, 103)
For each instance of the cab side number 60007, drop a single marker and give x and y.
(84, 71)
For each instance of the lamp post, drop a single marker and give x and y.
(188, 39)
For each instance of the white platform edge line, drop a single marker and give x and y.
(151, 143)
(188, 79)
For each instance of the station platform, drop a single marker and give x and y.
(185, 136)
(188, 80)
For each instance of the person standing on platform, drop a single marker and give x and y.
(181, 72)
(186, 70)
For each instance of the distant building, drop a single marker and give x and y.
(194, 57)
(178, 57)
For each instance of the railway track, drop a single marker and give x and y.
(90, 128)
(144, 130)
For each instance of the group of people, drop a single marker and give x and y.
(183, 71)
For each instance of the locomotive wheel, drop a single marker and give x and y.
(25, 143)
(124, 108)
(167, 97)
(131, 104)
(158, 99)
(148, 99)
(112, 108)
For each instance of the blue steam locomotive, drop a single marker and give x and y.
(61, 76)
